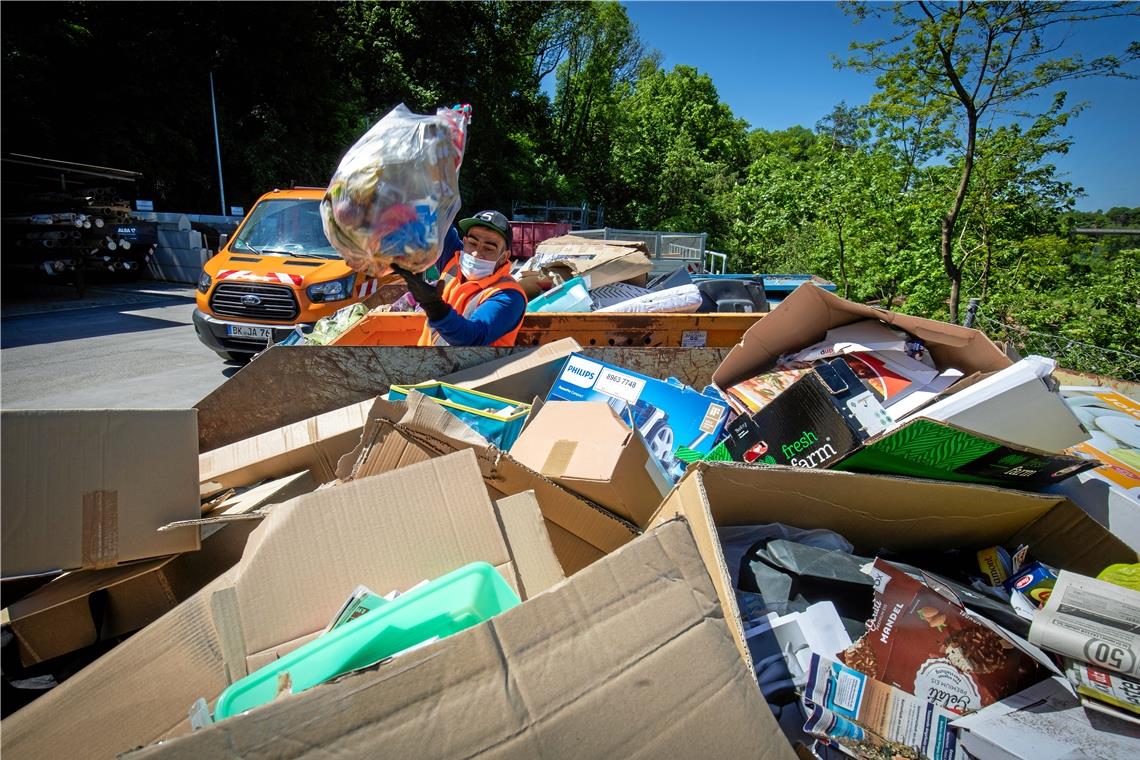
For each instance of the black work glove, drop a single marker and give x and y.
(427, 296)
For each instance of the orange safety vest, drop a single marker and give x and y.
(465, 296)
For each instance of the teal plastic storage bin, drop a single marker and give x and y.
(462, 598)
(483, 413)
(571, 296)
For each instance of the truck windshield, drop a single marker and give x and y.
(285, 227)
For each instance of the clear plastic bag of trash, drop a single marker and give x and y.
(395, 193)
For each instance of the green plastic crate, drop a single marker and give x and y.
(456, 601)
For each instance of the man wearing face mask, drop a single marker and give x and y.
(476, 302)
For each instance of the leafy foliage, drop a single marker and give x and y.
(940, 188)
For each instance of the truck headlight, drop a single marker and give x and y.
(334, 290)
(204, 281)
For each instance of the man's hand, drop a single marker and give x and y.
(427, 296)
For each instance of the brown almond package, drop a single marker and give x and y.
(930, 646)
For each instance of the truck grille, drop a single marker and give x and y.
(278, 303)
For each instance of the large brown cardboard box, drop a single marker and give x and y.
(91, 488)
(603, 261)
(416, 430)
(586, 447)
(876, 512)
(804, 317)
(630, 658)
(299, 565)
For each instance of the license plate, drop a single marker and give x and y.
(248, 331)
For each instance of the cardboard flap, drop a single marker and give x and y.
(529, 543)
(385, 532)
(601, 666)
(79, 584)
(520, 376)
(804, 317)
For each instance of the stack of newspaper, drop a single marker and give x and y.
(1095, 627)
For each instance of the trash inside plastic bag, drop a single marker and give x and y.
(395, 193)
(328, 329)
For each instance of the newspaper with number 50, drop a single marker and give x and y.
(1091, 620)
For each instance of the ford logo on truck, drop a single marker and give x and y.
(250, 300)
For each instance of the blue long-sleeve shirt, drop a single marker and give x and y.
(493, 318)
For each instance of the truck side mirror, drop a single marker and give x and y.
(222, 240)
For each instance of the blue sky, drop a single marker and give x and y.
(771, 63)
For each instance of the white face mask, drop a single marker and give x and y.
(475, 268)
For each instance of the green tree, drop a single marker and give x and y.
(676, 149)
(978, 59)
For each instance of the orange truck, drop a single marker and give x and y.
(278, 271)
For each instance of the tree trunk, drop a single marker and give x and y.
(842, 257)
(950, 221)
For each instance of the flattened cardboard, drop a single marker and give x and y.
(300, 563)
(399, 434)
(90, 488)
(249, 504)
(314, 445)
(61, 617)
(876, 512)
(629, 658)
(804, 317)
(585, 447)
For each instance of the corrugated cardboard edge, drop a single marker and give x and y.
(520, 519)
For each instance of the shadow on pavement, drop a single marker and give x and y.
(38, 329)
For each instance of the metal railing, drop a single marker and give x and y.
(668, 250)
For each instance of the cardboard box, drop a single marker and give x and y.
(667, 415)
(629, 658)
(928, 449)
(824, 436)
(819, 420)
(602, 261)
(301, 562)
(85, 607)
(584, 446)
(89, 489)
(314, 445)
(828, 418)
(399, 434)
(876, 512)
(804, 317)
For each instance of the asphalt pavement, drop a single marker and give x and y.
(119, 346)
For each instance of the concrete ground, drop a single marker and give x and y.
(120, 346)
